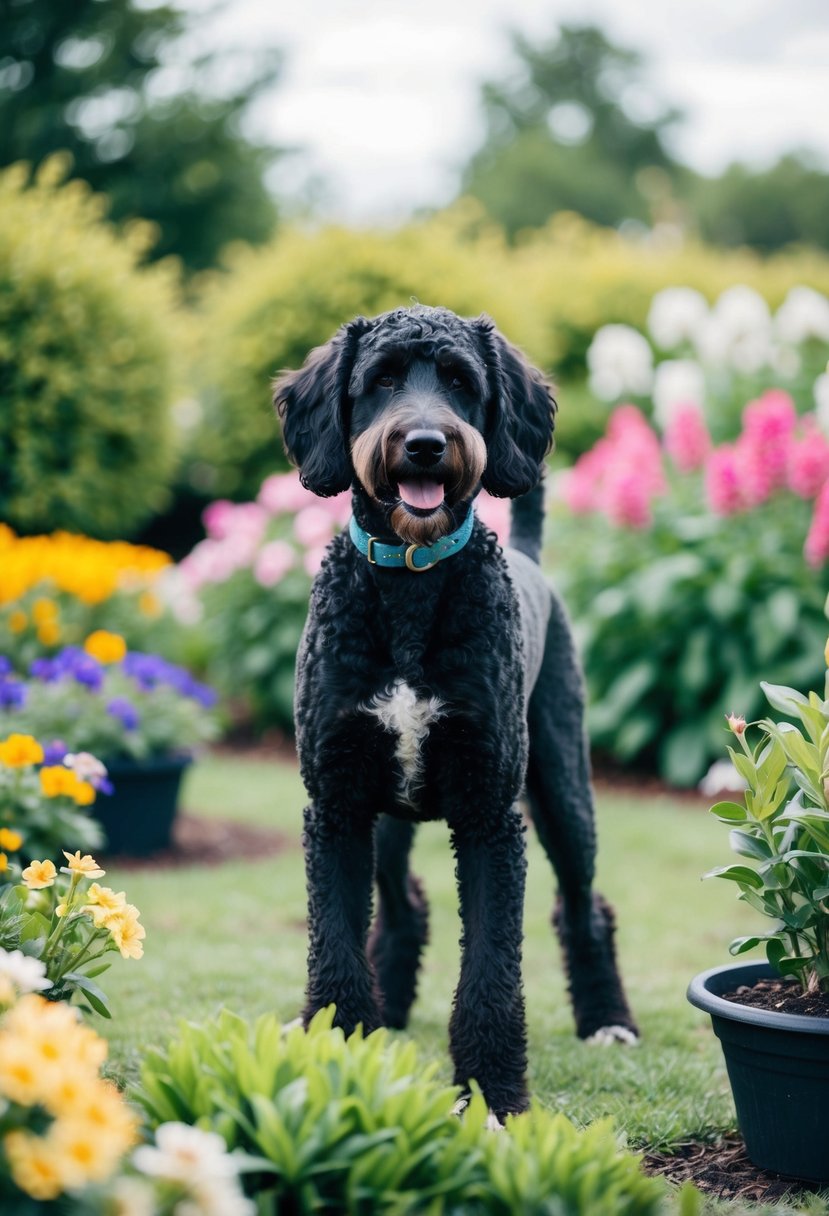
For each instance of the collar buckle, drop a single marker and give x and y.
(410, 552)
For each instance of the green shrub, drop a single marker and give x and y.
(84, 362)
(361, 1126)
(274, 304)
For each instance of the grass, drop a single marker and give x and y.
(234, 935)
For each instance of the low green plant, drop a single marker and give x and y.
(359, 1125)
(783, 831)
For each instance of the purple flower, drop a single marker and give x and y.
(124, 711)
(12, 694)
(47, 670)
(54, 752)
(5, 665)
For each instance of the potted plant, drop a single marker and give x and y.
(772, 1017)
(141, 714)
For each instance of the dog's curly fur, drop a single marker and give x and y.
(440, 694)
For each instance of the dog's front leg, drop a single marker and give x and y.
(487, 1030)
(339, 866)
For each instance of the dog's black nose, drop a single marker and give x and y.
(425, 447)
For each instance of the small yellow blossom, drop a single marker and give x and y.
(18, 620)
(87, 866)
(106, 647)
(21, 1071)
(83, 794)
(127, 933)
(103, 903)
(55, 780)
(48, 634)
(34, 1166)
(39, 874)
(9, 839)
(4, 863)
(44, 610)
(17, 751)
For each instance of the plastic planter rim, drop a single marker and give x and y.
(749, 973)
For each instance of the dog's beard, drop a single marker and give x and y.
(381, 468)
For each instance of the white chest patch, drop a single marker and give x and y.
(401, 712)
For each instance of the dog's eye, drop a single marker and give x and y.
(456, 381)
(384, 382)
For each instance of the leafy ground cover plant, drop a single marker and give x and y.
(358, 1125)
(248, 583)
(689, 567)
(105, 699)
(781, 833)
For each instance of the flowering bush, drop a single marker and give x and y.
(783, 832)
(249, 583)
(108, 700)
(59, 588)
(714, 358)
(44, 796)
(359, 1125)
(688, 568)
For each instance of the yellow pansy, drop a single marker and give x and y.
(87, 866)
(18, 620)
(19, 750)
(55, 780)
(39, 874)
(106, 647)
(9, 839)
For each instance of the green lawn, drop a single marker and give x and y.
(234, 935)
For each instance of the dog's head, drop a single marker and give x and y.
(417, 408)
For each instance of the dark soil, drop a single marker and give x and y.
(724, 1170)
(781, 996)
(209, 842)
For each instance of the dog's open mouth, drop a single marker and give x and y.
(421, 494)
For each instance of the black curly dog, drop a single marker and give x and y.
(437, 679)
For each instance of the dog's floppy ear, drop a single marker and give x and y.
(519, 431)
(312, 404)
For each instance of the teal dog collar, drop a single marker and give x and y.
(413, 557)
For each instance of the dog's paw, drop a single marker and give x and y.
(493, 1123)
(460, 1106)
(605, 1036)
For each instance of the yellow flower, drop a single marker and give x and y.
(149, 604)
(18, 620)
(56, 780)
(83, 794)
(9, 839)
(21, 1071)
(34, 1166)
(48, 634)
(104, 903)
(39, 874)
(83, 1153)
(4, 863)
(127, 933)
(105, 647)
(19, 750)
(44, 610)
(86, 866)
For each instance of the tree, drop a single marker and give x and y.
(94, 77)
(562, 136)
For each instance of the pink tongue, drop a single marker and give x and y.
(424, 494)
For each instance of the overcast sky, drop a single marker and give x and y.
(384, 94)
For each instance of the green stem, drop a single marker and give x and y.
(72, 964)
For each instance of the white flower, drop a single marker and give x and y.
(821, 394)
(25, 973)
(677, 382)
(185, 1154)
(721, 776)
(804, 314)
(215, 1199)
(620, 362)
(737, 331)
(86, 766)
(676, 313)
(133, 1197)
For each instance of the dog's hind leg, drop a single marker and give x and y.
(561, 805)
(401, 928)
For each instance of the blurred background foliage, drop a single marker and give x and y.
(152, 283)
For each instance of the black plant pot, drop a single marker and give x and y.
(778, 1066)
(138, 817)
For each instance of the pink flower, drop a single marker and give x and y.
(621, 474)
(687, 441)
(722, 483)
(313, 560)
(816, 548)
(808, 464)
(763, 448)
(283, 493)
(495, 513)
(313, 527)
(628, 500)
(273, 561)
(217, 518)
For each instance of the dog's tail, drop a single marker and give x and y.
(527, 522)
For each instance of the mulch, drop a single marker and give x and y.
(199, 841)
(781, 996)
(724, 1170)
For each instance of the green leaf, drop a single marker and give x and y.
(749, 846)
(741, 944)
(786, 700)
(95, 995)
(741, 874)
(729, 812)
